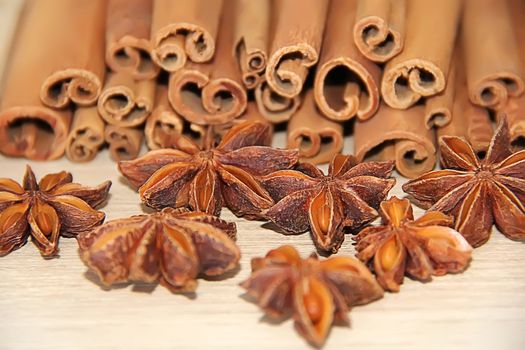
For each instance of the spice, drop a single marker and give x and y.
(478, 193)
(51, 208)
(317, 292)
(327, 204)
(172, 246)
(204, 179)
(419, 248)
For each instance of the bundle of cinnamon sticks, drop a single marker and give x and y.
(85, 74)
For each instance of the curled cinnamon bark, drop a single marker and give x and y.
(298, 33)
(124, 143)
(317, 138)
(399, 135)
(128, 44)
(379, 28)
(421, 68)
(514, 111)
(86, 136)
(274, 107)
(346, 83)
(438, 108)
(12, 16)
(163, 126)
(184, 29)
(212, 92)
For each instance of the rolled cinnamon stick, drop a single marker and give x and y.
(124, 143)
(12, 12)
(128, 44)
(298, 33)
(379, 28)
(346, 83)
(212, 92)
(421, 68)
(86, 136)
(399, 135)
(126, 102)
(274, 107)
(163, 126)
(492, 63)
(317, 138)
(183, 29)
(438, 108)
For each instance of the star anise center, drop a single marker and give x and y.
(485, 174)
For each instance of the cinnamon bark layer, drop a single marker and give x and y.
(346, 83)
(86, 136)
(298, 32)
(317, 138)
(184, 29)
(438, 108)
(399, 135)
(212, 92)
(124, 143)
(126, 102)
(274, 107)
(379, 28)
(421, 68)
(163, 126)
(128, 44)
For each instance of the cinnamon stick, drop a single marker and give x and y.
(421, 68)
(124, 143)
(212, 92)
(346, 83)
(274, 107)
(86, 136)
(184, 29)
(399, 135)
(128, 44)
(438, 108)
(126, 102)
(12, 15)
(298, 32)
(379, 28)
(317, 138)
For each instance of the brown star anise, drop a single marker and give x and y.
(51, 208)
(316, 292)
(478, 193)
(173, 246)
(327, 204)
(420, 248)
(204, 179)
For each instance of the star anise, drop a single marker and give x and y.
(46, 210)
(204, 179)
(478, 193)
(346, 198)
(172, 246)
(419, 248)
(316, 292)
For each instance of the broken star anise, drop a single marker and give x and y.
(478, 193)
(204, 179)
(46, 210)
(346, 198)
(172, 246)
(316, 292)
(420, 248)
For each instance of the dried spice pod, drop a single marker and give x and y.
(171, 246)
(163, 126)
(46, 210)
(317, 138)
(182, 30)
(211, 93)
(252, 36)
(126, 102)
(128, 45)
(420, 69)
(318, 293)
(399, 135)
(297, 36)
(346, 198)
(274, 107)
(438, 108)
(379, 29)
(86, 136)
(478, 193)
(346, 83)
(124, 143)
(418, 248)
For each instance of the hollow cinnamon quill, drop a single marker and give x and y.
(124, 143)
(438, 108)
(163, 126)
(421, 68)
(12, 12)
(346, 83)
(86, 136)
(274, 107)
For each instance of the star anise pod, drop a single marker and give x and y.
(346, 198)
(316, 292)
(46, 210)
(172, 246)
(478, 193)
(204, 179)
(419, 248)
